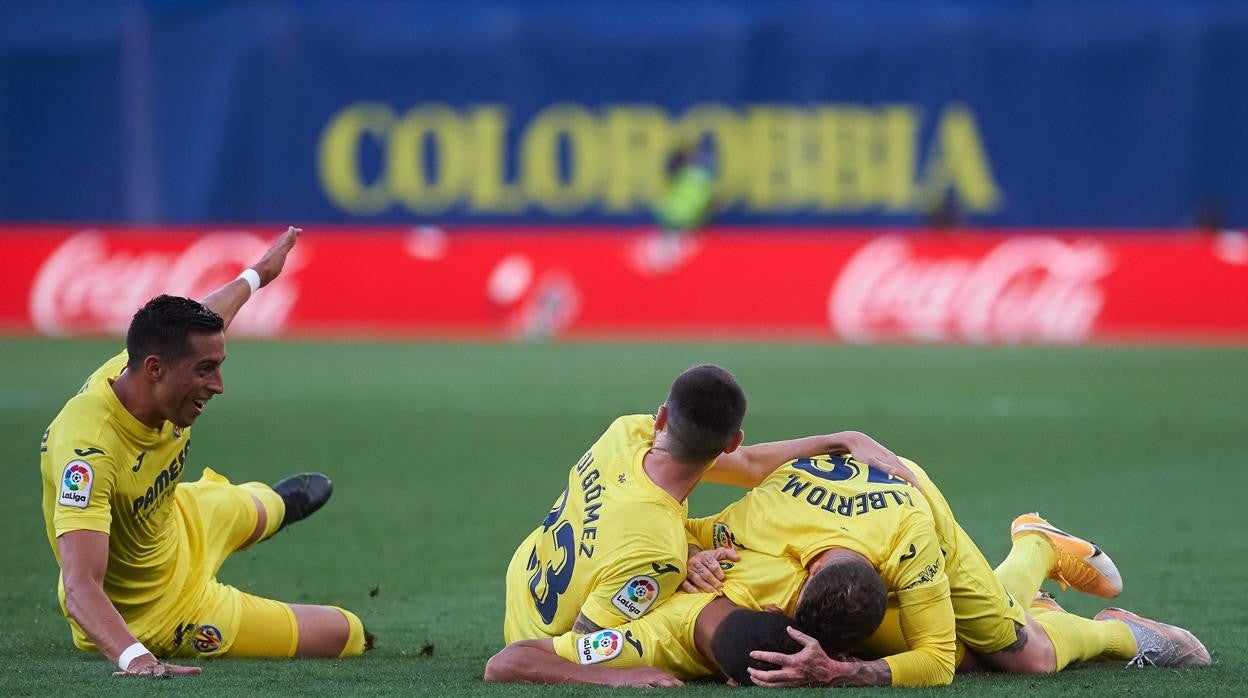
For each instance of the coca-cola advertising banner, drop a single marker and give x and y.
(833, 285)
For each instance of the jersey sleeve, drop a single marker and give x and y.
(84, 475)
(700, 532)
(626, 590)
(618, 648)
(916, 572)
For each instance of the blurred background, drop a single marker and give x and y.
(838, 171)
(547, 209)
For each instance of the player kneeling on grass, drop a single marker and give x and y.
(139, 551)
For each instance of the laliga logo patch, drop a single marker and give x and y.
(721, 536)
(599, 647)
(635, 598)
(76, 484)
(207, 639)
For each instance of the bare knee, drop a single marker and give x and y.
(1031, 653)
(323, 631)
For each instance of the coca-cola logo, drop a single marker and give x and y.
(86, 287)
(1032, 288)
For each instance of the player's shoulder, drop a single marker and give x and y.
(648, 527)
(639, 427)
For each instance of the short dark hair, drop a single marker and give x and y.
(164, 326)
(705, 408)
(742, 632)
(843, 604)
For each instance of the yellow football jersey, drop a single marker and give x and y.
(105, 471)
(612, 547)
(664, 638)
(812, 504)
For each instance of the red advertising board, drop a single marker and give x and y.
(833, 285)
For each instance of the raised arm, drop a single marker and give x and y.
(84, 560)
(227, 300)
(536, 661)
(748, 466)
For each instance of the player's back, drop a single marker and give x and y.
(812, 504)
(611, 547)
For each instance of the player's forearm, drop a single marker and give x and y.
(919, 668)
(228, 300)
(92, 610)
(748, 466)
(519, 663)
(854, 673)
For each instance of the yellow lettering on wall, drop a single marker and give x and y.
(780, 139)
(338, 157)
(488, 191)
(422, 188)
(637, 140)
(956, 162)
(847, 174)
(723, 128)
(769, 158)
(562, 126)
(895, 144)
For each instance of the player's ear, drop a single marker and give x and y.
(736, 441)
(660, 418)
(153, 367)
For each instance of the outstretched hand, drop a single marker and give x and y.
(270, 265)
(705, 572)
(148, 665)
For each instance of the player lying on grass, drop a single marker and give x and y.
(139, 550)
(677, 639)
(851, 515)
(613, 545)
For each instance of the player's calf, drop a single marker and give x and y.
(1031, 653)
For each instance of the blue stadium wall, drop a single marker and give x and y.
(1109, 114)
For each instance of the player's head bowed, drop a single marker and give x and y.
(742, 632)
(842, 603)
(705, 408)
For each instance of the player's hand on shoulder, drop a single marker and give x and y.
(645, 676)
(872, 452)
(270, 265)
(704, 570)
(148, 665)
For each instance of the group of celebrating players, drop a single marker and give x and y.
(842, 566)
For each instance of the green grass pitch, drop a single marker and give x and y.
(445, 455)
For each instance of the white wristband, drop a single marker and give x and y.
(252, 278)
(130, 654)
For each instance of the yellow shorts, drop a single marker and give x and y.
(215, 619)
(520, 618)
(986, 616)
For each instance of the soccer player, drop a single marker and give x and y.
(834, 506)
(139, 549)
(613, 545)
(699, 634)
(674, 642)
